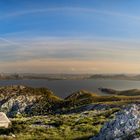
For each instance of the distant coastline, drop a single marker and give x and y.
(20, 76)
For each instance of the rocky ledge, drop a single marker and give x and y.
(124, 125)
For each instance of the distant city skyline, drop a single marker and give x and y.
(77, 36)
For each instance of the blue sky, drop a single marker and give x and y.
(70, 36)
(93, 18)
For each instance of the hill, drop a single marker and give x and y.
(36, 113)
(131, 92)
(116, 76)
(26, 100)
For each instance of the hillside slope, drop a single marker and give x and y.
(131, 92)
(25, 100)
(36, 113)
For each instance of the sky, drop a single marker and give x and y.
(70, 36)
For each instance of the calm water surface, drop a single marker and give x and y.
(63, 88)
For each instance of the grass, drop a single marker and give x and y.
(64, 127)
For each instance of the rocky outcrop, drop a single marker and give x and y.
(25, 100)
(17, 104)
(125, 123)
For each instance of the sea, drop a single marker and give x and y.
(64, 88)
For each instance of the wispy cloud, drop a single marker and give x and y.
(40, 55)
(68, 9)
(70, 49)
(8, 41)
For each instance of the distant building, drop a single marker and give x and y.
(4, 121)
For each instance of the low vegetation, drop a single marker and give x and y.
(68, 127)
(48, 117)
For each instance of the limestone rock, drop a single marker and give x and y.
(125, 123)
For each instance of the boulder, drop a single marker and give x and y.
(4, 121)
(125, 123)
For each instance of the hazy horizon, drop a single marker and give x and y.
(70, 37)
